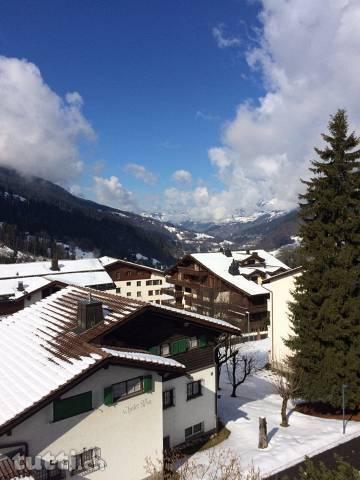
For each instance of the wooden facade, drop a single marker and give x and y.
(199, 289)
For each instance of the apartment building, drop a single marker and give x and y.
(92, 384)
(133, 280)
(226, 284)
(281, 289)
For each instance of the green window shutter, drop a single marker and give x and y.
(155, 350)
(148, 384)
(183, 345)
(69, 407)
(174, 348)
(202, 341)
(108, 396)
(179, 346)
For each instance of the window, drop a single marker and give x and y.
(71, 406)
(128, 388)
(148, 282)
(157, 292)
(118, 290)
(128, 284)
(155, 282)
(193, 342)
(168, 398)
(187, 289)
(128, 294)
(193, 389)
(138, 294)
(151, 292)
(165, 349)
(194, 430)
(160, 282)
(86, 460)
(138, 283)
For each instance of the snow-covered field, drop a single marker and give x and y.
(288, 446)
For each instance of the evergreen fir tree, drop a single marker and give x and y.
(325, 313)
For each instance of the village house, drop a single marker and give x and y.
(226, 285)
(281, 289)
(92, 384)
(22, 284)
(137, 281)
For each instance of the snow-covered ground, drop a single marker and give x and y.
(288, 446)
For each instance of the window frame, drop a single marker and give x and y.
(191, 395)
(128, 395)
(171, 403)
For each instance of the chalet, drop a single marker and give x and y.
(92, 384)
(22, 284)
(226, 285)
(281, 289)
(136, 281)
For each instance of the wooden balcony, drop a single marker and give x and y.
(193, 272)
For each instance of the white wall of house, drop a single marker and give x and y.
(280, 326)
(148, 290)
(127, 432)
(187, 413)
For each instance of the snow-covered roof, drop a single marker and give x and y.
(143, 357)
(34, 269)
(9, 287)
(83, 279)
(41, 353)
(219, 264)
(107, 261)
(197, 316)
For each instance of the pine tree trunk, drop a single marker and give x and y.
(284, 419)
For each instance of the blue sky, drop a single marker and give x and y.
(163, 86)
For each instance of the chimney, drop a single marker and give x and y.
(248, 251)
(20, 286)
(234, 268)
(55, 264)
(227, 252)
(89, 313)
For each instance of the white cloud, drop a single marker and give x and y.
(140, 172)
(39, 130)
(222, 40)
(182, 176)
(308, 59)
(110, 191)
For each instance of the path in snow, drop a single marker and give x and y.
(288, 446)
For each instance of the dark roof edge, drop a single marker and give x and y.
(287, 273)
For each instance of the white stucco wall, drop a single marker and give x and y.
(127, 432)
(280, 326)
(187, 413)
(144, 289)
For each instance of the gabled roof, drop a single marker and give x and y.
(41, 356)
(111, 261)
(218, 263)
